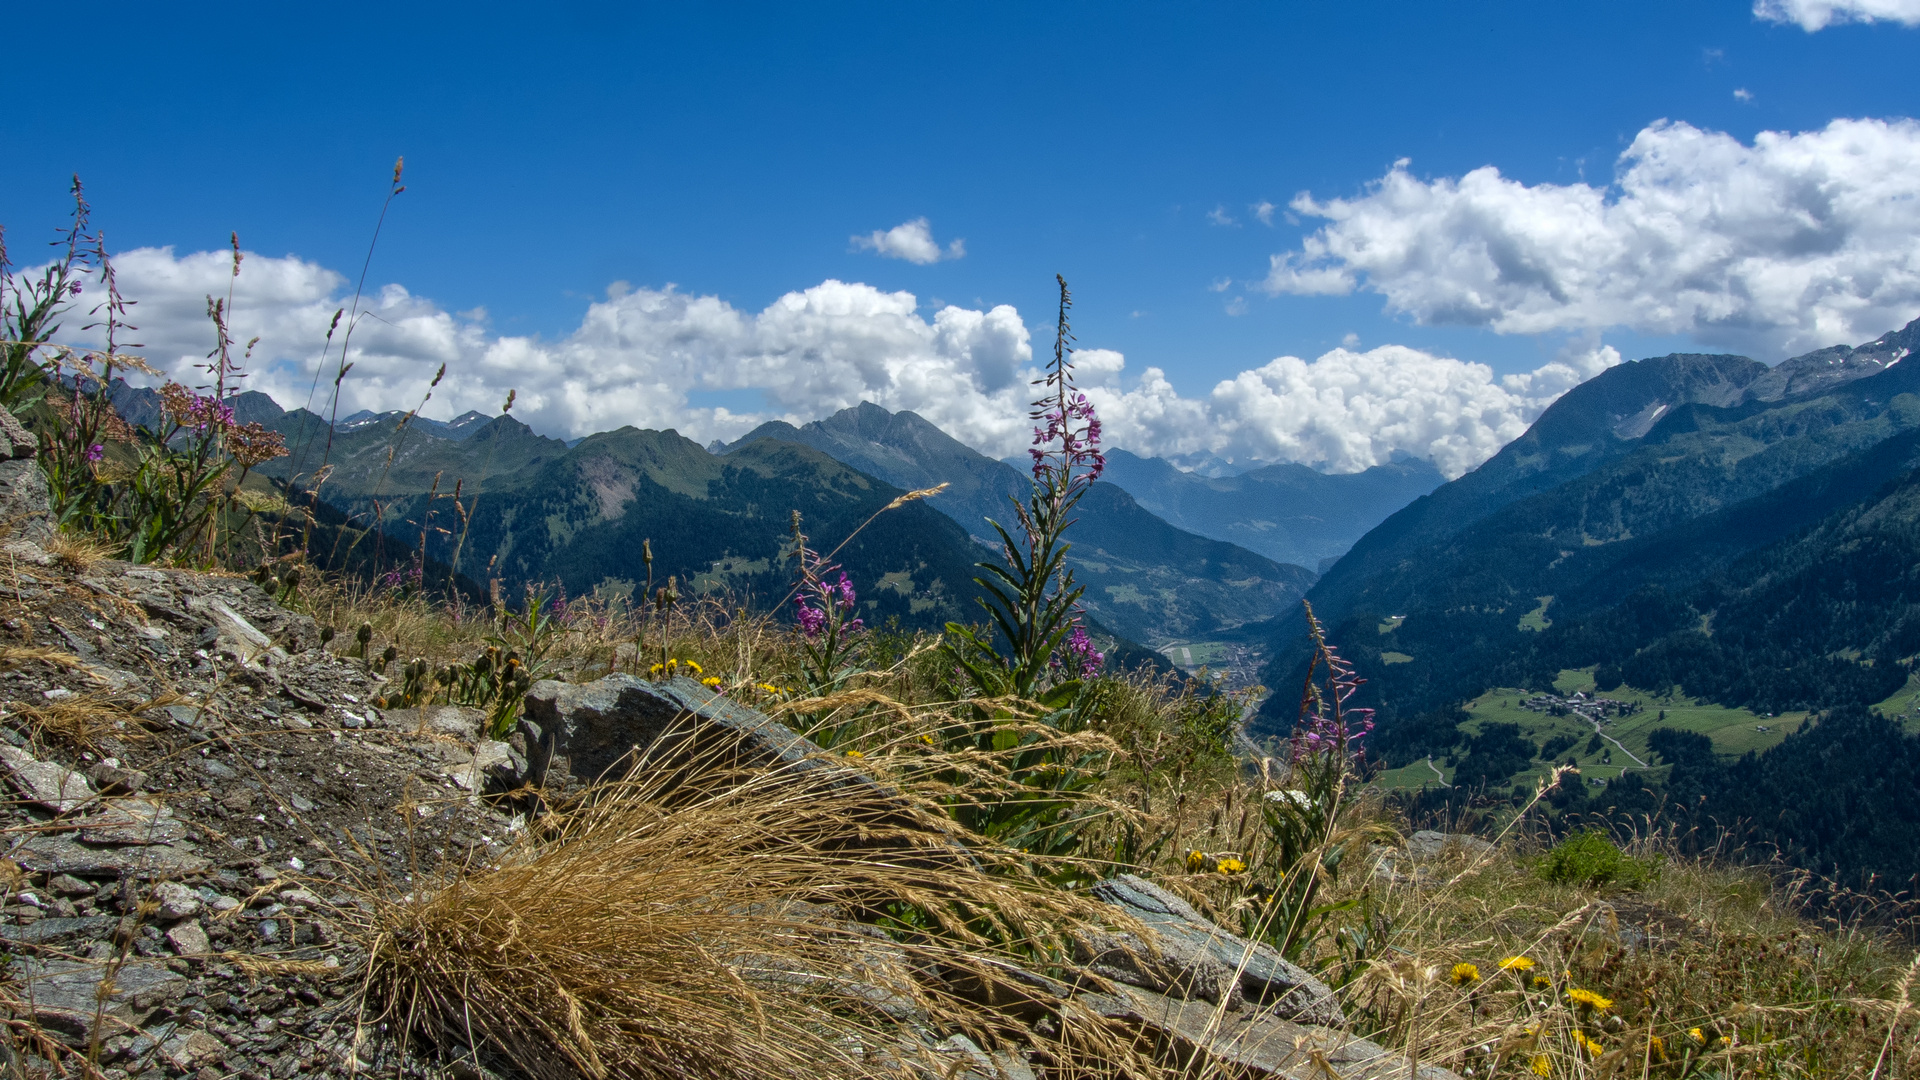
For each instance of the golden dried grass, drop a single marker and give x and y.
(785, 923)
(77, 552)
(83, 721)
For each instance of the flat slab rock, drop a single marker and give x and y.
(64, 995)
(63, 855)
(53, 786)
(595, 730)
(1192, 957)
(1257, 1043)
(1428, 843)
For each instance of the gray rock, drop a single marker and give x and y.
(25, 505)
(1193, 957)
(64, 995)
(962, 1059)
(188, 939)
(192, 1049)
(1428, 844)
(234, 635)
(49, 931)
(111, 779)
(459, 721)
(53, 786)
(1255, 1044)
(132, 821)
(68, 885)
(176, 901)
(63, 855)
(601, 729)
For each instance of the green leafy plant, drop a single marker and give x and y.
(1590, 859)
(1035, 634)
(30, 310)
(166, 493)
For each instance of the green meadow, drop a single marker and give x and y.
(1622, 739)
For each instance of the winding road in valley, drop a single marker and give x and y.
(1616, 742)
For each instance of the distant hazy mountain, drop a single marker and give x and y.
(1145, 578)
(1289, 513)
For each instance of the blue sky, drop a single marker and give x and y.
(735, 150)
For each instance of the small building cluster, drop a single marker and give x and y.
(1598, 709)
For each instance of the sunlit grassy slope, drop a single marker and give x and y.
(1733, 731)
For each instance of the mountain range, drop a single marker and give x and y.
(541, 509)
(1145, 578)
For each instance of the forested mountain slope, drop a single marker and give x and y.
(537, 510)
(1653, 475)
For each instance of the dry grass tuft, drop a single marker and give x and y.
(77, 552)
(83, 721)
(766, 925)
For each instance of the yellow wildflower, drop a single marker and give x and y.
(856, 755)
(697, 669)
(768, 687)
(1590, 999)
(1464, 975)
(1589, 1045)
(928, 739)
(1231, 866)
(1541, 1066)
(1541, 982)
(1657, 1048)
(1697, 1036)
(1517, 963)
(655, 669)
(1196, 862)
(711, 680)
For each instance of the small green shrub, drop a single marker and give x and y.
(1590, 859)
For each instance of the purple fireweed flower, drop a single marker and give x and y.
(812, 620)
(1078, 654)
(1076, 429)
(1080, 650)
(204, 412)
(96, 452)
(845, 589)
(1325, 727)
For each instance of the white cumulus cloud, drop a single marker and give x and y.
(1814, 15)
(1795, 241)
(912, 241)
(1346, 410)
(643, 356)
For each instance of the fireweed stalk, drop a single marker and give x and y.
(1303, 817)
(1031, 596)
(833, 638)
(166, 493)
